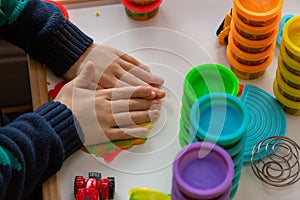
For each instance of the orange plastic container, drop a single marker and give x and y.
(291, 37)
(292, 65)
(255, 32)
(250, 59)
(244, 71)
(251, 46)
(258, 12)
(285, 89)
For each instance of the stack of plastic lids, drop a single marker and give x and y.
(199, 81)
(286, 85)
(252, 37)
(266, 117)
(222, 119)
(141, 10)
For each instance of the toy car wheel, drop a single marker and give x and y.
(111, 193)
(95, 175)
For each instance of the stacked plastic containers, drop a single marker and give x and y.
(286, 85)
(141, 10)
(222, 119)
(252, 37)
(201, 80)
(202, 170)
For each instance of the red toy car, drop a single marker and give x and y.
(94, 188)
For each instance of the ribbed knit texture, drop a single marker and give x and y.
(33, 148)
(65, 125)
(45, 34)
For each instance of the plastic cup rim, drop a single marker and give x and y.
(206, 193)
(222, 70)
(227, 139)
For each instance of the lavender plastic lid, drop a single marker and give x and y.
(203, 170)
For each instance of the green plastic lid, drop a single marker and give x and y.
(208, 78)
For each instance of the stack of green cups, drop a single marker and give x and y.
(199, 81)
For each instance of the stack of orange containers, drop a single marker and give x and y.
(252, 37)
(286, 85)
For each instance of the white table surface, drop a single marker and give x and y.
(180, 37)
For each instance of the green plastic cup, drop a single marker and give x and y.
(208, 78)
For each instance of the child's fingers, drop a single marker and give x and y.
(124, 119)
(134, 105)
(127, 133)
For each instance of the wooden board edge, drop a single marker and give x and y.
(39, 95)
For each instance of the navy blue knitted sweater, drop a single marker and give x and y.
(34, 145)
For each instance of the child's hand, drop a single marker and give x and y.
(115, 69)
(109, 114)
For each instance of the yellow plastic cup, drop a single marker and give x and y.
(258, 12)
(250, 59)
(291, 79)
(253, 32)
(285, 89)
(252, 46)
(292, 65)
(244, 71)
(290, 107)
(291, 37)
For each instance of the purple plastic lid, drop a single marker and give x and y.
(203, 170)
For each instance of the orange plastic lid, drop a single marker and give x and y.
(253, 29)
(291, 35)
(252, 43)
(246, 68)
(249, 56)
(141, 9)
(258, 10)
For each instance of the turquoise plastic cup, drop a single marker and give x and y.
(219, 118)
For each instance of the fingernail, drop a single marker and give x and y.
(154, 102)
(155, 107)
(154, 114)
(160, 92)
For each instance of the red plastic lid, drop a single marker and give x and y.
(61, 7)
(141, 9)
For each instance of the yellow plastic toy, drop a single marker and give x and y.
(147, 194)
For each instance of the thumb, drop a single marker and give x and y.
(86, 75)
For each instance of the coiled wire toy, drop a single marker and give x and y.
(275, 161)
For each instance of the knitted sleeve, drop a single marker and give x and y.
(33, 148)
(43, 32)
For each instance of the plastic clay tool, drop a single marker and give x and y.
(266, 117)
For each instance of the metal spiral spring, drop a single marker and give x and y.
(275, 161)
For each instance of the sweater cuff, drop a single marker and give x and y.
(64, 124)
